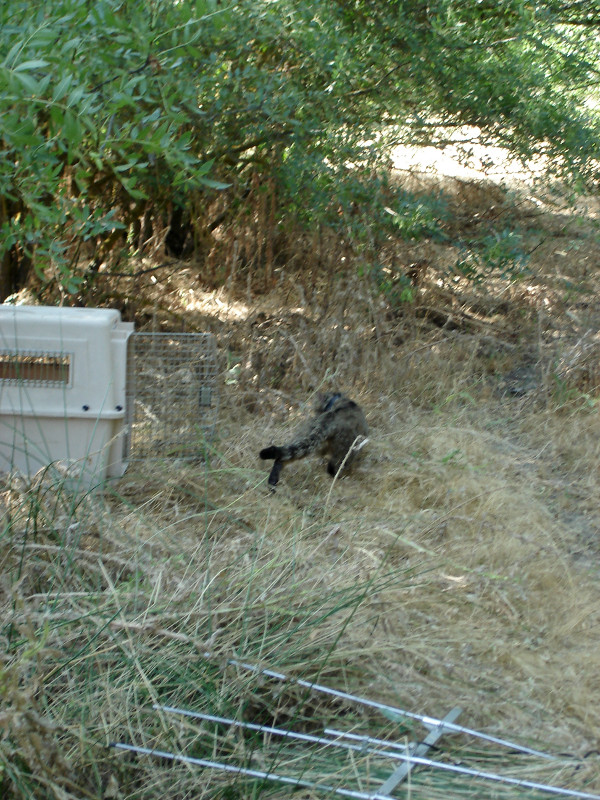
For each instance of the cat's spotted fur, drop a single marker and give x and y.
(338, 425)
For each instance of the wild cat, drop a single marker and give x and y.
(338, 424)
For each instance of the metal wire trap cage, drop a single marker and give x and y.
(171, 393)
(348, 763)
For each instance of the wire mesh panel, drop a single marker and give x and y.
(172, 397)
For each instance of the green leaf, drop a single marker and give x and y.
(152, 117)
(35, 63)
(129, 186)
(72, 128)
(18, 45)
(213, 184)
(125, 167)
(62, 87)
(75, 96)
(28, 83)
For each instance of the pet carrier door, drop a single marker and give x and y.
(171, 394)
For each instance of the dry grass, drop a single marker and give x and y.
(457, 563)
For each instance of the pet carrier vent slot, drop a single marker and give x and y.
(39, 369)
